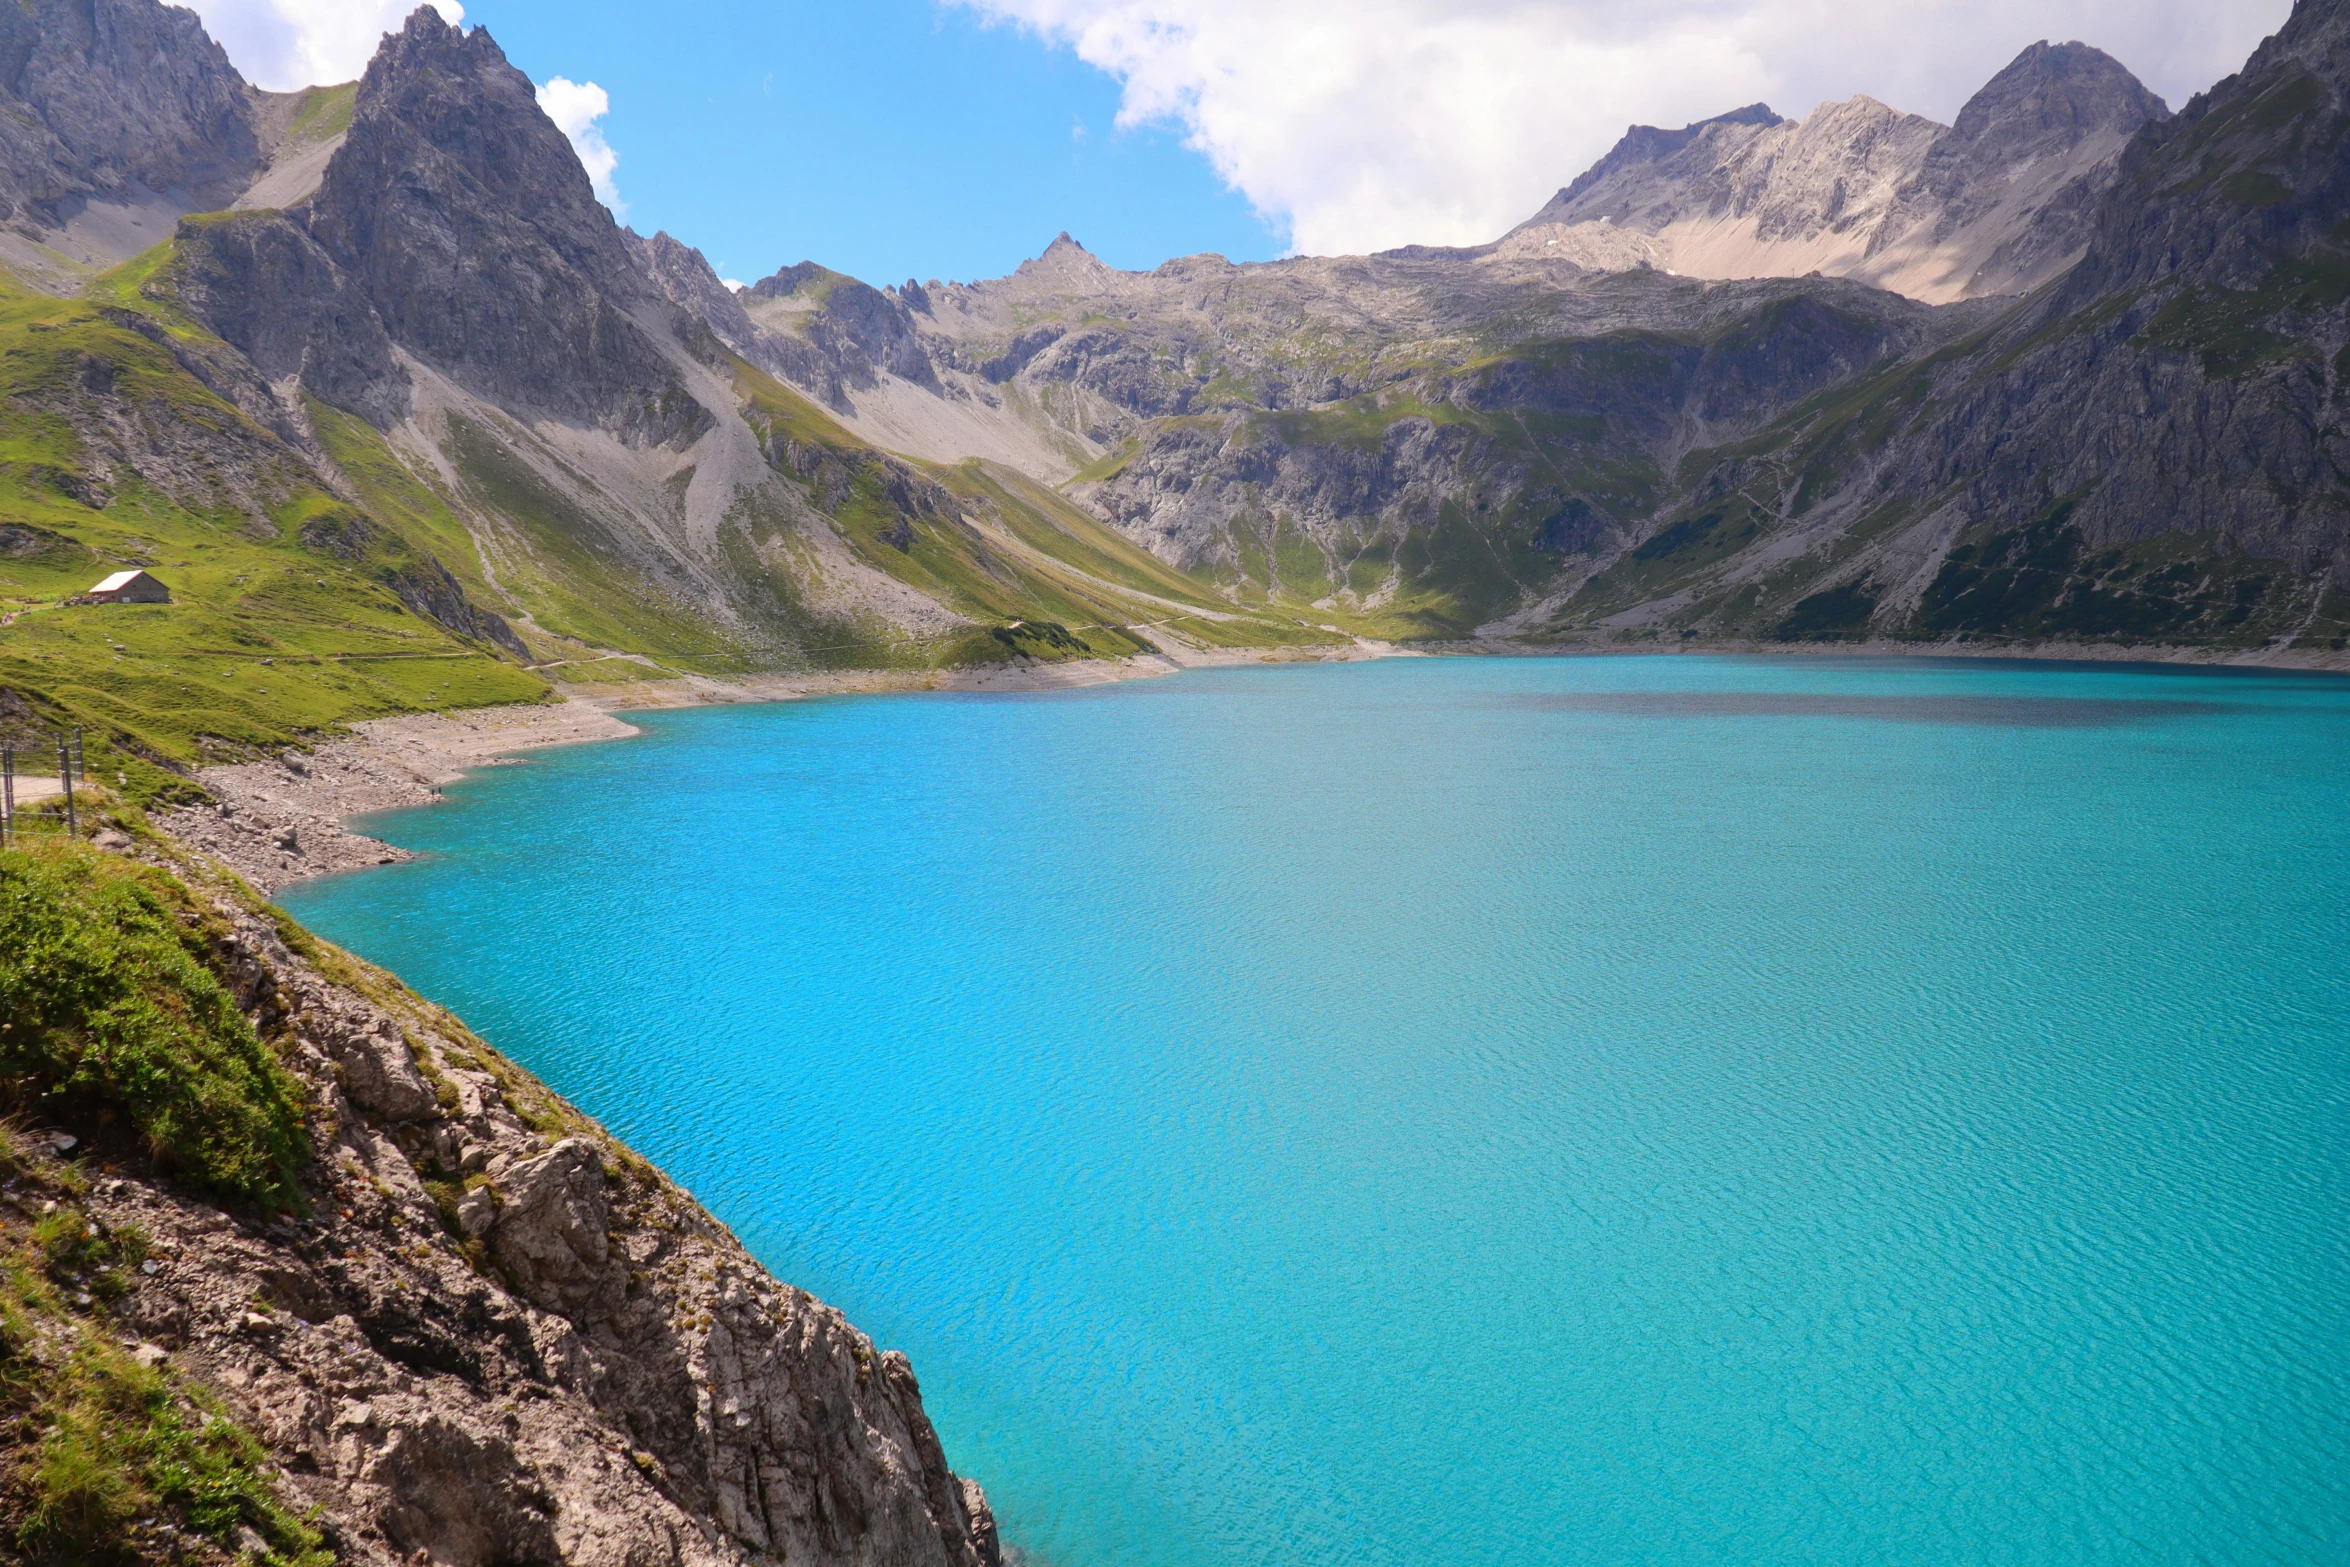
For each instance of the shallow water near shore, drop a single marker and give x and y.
(1459, 1112)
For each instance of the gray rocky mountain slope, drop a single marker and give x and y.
(451, 225)
(111, 110)
(1995, 204)
(119, 117)
(2172, 408)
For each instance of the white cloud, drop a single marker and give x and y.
(286, 44)
(575, 107)
(1385, 122)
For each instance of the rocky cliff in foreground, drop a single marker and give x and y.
(303, 1271)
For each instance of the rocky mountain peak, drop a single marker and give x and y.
(787, 281)
(1643, 146)
(462, 215)
(1997, 203)
(2056, 93)
(454, 125)
(1750, 178)
(1063, 260)
(2244, 189)
(686, 276)
(2003, 200)
(2317, 34)
(119, 102)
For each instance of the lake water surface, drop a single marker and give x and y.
(1453, 1113)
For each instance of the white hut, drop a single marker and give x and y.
(128, 587)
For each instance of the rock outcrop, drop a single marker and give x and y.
(123, 105)
(2004, 200)
(2187, 373)
(498, 1337)
(464, 218)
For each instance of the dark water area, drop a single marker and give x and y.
(1998, 712)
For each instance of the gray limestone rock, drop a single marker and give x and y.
(378, 1073)
(2066, 108)
(1994, 204)
(549, 1229)
(461, 214)
(265, 285)
(116, 101)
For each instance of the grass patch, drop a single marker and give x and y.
(323, 113)
(1839, 614)
(101, 1445)
(111, 1015)
(2237, 333)
(2043, 580)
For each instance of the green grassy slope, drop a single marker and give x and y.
(270, 638)
(116, 1011)
(1066, 587)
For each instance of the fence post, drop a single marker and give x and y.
(73, 828)
(7, 791)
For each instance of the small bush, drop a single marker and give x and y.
(110, 1011)
(75, 1251)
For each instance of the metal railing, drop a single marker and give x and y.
(27, 746)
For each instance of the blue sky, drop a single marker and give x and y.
(953, 138)
(887, 138)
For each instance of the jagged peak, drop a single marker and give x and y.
(1651, 144)
(787, 281)
(1859, 109)
(427, 30)
(455, 91)
(2317, 34)
(1064, 258)
(2071, 86)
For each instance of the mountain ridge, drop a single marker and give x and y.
(571, 446)
(1204, 389)
(1987, 205)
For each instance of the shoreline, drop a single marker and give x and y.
(1075, 674)
(282, 821)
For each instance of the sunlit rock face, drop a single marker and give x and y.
(1997, 203)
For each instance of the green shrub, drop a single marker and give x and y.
(111, 1012)
(76, 1252)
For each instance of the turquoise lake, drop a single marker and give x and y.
(1463, 1112)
